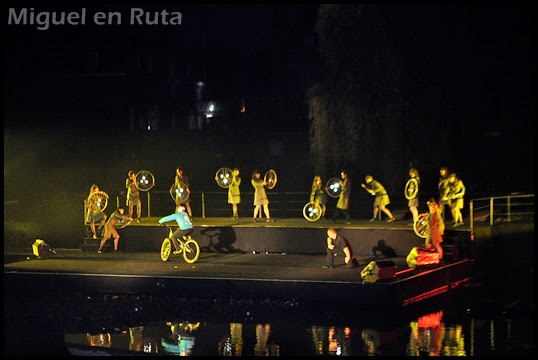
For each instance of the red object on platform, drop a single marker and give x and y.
(387, 269)
(427, 256)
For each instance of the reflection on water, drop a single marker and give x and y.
(428, 335)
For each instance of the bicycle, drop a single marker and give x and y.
(189, 247)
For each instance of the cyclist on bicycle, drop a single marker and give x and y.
(183, 221)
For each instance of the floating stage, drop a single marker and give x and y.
(241, 259)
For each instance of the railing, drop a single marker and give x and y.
(204, 204)
(215, 204)
(498, 209)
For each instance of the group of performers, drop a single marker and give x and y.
(451, 193)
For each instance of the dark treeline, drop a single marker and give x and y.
(426, 86)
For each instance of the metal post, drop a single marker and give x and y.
(471, 218)
(490, 211)
(149, 205)
(86, 212)
(508, 206)
(203, 205)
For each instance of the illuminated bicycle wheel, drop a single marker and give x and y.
(179, 193)
(97, 201)
(334, 187)
(191, 251)
(166, 249)
(144, 180)
(312, 211)
(411, 189)
(224, 177)
(420, 226)
(270, 178)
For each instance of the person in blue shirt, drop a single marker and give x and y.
(184, 222)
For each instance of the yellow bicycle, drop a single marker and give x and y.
(189, 247)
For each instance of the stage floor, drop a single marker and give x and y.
(282, 259)
(218, 275)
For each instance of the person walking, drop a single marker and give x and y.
(382, 199)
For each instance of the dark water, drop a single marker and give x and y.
(492, 316)
(470, 322)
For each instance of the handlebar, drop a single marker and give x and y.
(168, 226)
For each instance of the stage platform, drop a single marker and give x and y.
(240, 259)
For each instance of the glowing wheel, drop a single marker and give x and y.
(224, 177)
(179, 193)
(270, 178)
(312, 211)
(191, 250)
(144, 180)
(334, 187)
(166, 248)
(97, 201)
(411, 189)
(420, 226)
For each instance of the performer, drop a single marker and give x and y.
(260, 196)
(95, 214)
(455, 198)
(234, 194)
(185, 227)
(335, 242)
(133, 195)
(443, 186)
(110, 228)
(342, 207)
(318, 195)
(179, 181)
(382, 199)
(413, 203)
(436, 227)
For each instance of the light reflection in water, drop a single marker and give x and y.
(426, 336)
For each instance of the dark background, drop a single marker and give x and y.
(78, 101)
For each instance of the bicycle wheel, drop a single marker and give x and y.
(312, 211)
(191, 251)
(420, 226)
(166, 248)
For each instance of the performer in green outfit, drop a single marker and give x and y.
(234, 194)
(260, 196)
(382, 199)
